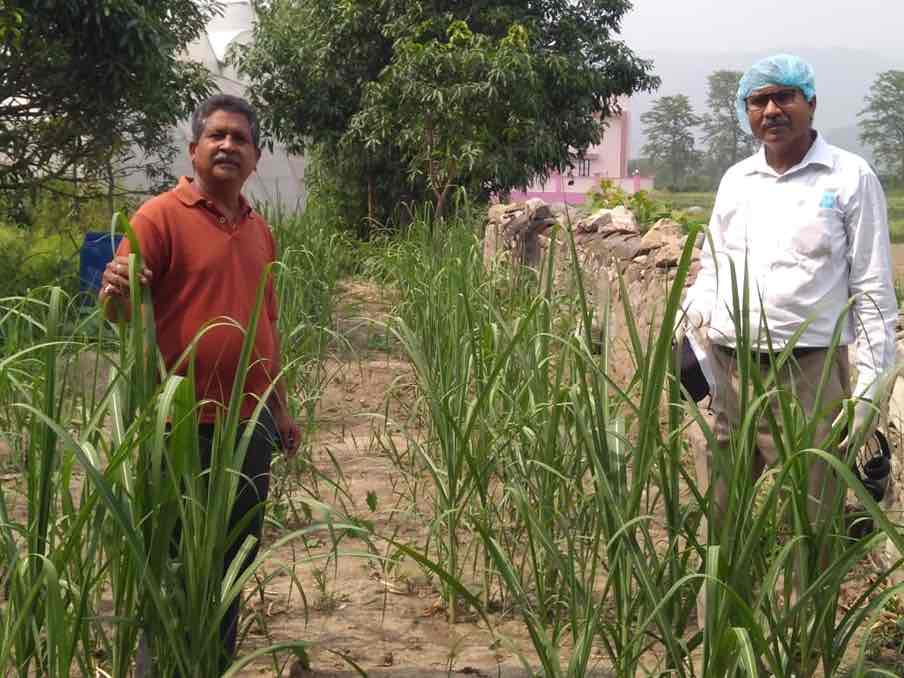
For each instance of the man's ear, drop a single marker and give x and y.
(192, 147)
(257, 159)
(812, 104)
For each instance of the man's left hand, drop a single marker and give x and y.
(861, 417)
(289, 433)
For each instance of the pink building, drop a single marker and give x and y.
(608, 160)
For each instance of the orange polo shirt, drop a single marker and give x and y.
(205, 269)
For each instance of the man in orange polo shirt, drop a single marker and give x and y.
(205, 251)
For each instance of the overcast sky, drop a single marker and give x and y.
(753, 25)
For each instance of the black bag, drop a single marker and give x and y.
(873, 465)
(872, 468)
(690, 373)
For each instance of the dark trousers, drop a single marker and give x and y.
(254, 485)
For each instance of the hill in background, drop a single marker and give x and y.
(843, 79)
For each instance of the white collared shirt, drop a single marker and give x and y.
(813, 238)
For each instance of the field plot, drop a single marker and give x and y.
(896, 215)
(685, 200)
(389, 618)
(385, 612)
(475, 496)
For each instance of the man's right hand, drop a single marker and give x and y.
(114, 288)
(115, 278)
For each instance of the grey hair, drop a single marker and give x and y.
(229, 103)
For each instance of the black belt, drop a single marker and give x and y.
(766, 357)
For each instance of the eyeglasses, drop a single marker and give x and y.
(780, 98)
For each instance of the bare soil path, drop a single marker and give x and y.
(386, 618)
(897, 258)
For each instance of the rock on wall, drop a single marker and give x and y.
(608, 245)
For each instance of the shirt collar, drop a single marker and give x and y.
(188, 193)
(820, 153)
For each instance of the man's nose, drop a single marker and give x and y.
(772, 109)
(227, 141)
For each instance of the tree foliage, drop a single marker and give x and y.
(669, 127)
(724, 141)
(486, 95)
(882, 121)
(10, 22)
(448, 133)
(81, 82)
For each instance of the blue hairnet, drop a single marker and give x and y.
(781, 69)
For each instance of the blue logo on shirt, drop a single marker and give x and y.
(828, 200)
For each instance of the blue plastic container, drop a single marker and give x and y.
(97, 250)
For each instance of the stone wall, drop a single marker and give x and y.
(609, 245)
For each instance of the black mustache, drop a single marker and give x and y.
(769, 124)
(225, 158)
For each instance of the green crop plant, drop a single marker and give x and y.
(313, 256)
(771, 541)
(568, 499)
(122, 538)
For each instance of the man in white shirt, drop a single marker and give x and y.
(809, 223)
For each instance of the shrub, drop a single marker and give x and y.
(41, 235)
(30, 259)
(647, 207)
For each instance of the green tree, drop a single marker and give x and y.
(10, 22)
(882, 121)
(446, 134)
(724, 141)
(669, 127)
(83, 82)
(486, 95)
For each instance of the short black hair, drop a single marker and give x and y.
(229, 103)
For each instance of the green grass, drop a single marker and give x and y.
(896, 215)
(681, 202)
(87, 568)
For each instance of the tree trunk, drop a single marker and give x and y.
(441, 197)
(111, 185)
(76, 200)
